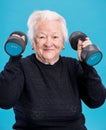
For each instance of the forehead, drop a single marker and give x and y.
(47, 25)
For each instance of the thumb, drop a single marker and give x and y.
(79, 49)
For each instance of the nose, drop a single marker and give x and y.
(48, 42)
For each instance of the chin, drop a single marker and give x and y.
(48, 57)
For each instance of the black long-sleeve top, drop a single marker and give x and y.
(48, 97)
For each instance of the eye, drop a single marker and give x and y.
(42, 37)
(55, 37)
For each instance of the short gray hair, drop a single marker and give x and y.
(36, 16)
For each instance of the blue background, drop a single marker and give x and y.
(88, 16)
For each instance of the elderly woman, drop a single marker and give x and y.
(46, 89)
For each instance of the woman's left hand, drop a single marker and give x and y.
(81, 45)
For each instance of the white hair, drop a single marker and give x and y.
(37, 16)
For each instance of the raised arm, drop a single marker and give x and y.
(92, 90)
(11, 83)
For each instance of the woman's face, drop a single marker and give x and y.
(49, 41)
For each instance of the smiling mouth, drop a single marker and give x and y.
(48, 49)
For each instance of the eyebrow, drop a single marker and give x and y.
(44, 33)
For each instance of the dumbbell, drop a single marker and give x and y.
(91, 54)
(15, 45)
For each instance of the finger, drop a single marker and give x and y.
(79, 45)
(86, 43)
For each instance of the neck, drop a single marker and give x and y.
(46, 61)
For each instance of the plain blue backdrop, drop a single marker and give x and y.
(88, 16)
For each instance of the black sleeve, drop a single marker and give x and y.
(92, 90)
(11, 83)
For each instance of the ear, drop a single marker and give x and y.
(33, 46)
(63, 47)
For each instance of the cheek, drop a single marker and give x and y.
(60, 46)
(39, 49)
(36, 46)
(59, 49)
